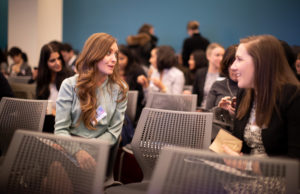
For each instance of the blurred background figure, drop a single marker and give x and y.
(129, 70)
(3, 63)
(69, 55)
(205, 77)
(196, 61)
(195, 41)
(19, 66)
(51, 73)
(142, 43)
(166, 77)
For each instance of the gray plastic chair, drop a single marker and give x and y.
(131, 104)
(158, 128)
(25, 91)
(180, 102)
(19, 79)
(190, 171)
(19, 114)
(45, 163)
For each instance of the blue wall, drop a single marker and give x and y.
(3, 23)
(224, 22)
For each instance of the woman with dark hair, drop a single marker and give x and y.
(129, 70)
(51, 72)
(196, 61)
(20, 66)
(268, 107)
(165, 76)
(225, 89)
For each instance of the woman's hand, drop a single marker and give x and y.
(143, 81)
(159, 84)
(226, 104)
(85, 160)
(241, 164)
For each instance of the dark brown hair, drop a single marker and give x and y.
(271, 73)
(228, 59)
(166, 58)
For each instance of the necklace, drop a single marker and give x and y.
(231, 94)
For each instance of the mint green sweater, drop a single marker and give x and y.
(68, 112)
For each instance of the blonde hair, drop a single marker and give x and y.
(193, 25)
(211, 47)
(94, 50)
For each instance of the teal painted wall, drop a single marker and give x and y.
(3, 23)
(221, 21)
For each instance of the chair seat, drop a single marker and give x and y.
(132, 188)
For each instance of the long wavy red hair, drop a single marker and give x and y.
(94, 50)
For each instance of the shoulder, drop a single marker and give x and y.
(290, 94)
(201, 71)
(219, 83)
(71, 81)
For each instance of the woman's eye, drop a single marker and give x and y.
(108, 53)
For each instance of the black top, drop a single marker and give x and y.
(281, 137)
(5, 89)
(131, 80)
(198, 87)
(196, 42)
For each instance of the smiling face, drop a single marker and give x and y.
(54, 62)
(215, 57)
(243, 66)
(107, 64)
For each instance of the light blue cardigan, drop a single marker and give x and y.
(68, 112)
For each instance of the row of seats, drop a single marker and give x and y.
(156, 130)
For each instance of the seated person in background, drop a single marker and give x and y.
(19, 66)
(5, 89)
(165, 77)
(51, 72)
(205, 77)
(226, 88)
(69, 56)
(196, 61)
(129, 70)
(268, 107)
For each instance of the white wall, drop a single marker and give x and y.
(33, 23)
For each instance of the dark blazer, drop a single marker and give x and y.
(195, 42)
(198, 87)
(282, 136)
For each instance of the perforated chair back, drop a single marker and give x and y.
(19, 79)
(158, 128)
(187, 171)
(25, 91)
(180, 102)
(19, 114)
(131, 104)
(46, 163)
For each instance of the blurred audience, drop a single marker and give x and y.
(20, 66)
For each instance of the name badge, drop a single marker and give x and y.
(100, 114)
